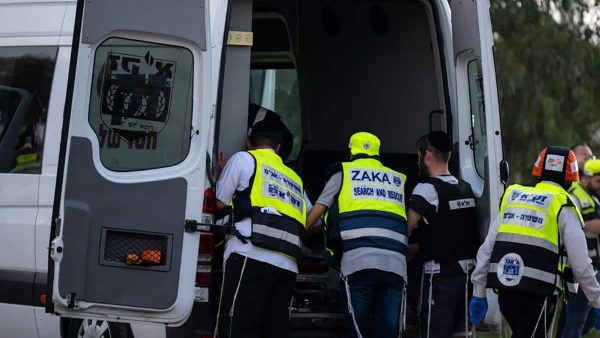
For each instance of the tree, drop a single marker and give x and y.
(548, 66)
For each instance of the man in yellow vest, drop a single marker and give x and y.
(269, 207)
(523, 256)
(366, 200)
(585, 195)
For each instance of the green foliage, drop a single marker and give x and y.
(547, 66)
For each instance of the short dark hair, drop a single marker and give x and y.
(577, 145)
(265, 133)
(424, 143)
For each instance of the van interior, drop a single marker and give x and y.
(329, 69)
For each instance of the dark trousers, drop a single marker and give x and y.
(259, 307)
(376, 298)
(523, 311)
(445, 315)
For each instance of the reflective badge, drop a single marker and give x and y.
(554, 162)
(510, 269)
(585, 204)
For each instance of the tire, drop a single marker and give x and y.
(91, 328)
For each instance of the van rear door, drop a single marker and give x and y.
(132, 170)
(478, 118)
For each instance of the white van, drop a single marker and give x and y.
(155, 90)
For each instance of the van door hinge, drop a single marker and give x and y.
(57, 223)
(71, 302)
(190, 225)
(471, 142)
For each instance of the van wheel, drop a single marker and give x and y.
(92, 328)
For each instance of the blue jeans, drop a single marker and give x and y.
(577, 313)
(376, 298)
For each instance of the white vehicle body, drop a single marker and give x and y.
(463, 88)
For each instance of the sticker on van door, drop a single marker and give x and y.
(135, 94)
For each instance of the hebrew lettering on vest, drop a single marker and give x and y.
(524, 217)
(534, 199)
(278, 177)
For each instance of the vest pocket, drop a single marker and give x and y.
(278, 233)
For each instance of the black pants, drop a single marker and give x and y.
(523, 311)
(260, 309)
(447, 309)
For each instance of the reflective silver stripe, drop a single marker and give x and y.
(276, 233)
(378, 232)
(573, 287)
(373, 258)
(528, 240)
(540, 275)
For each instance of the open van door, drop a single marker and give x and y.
(480, 145)
(478, 118)
(132, 169)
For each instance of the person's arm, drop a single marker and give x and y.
(240, 165)
(314, 214)
(220, 205)
(413, 218)
(593, 225)
(479, 276)
(423, 202)
(574, 241)
(325, 200)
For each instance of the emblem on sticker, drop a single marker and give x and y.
(367, 146)
(510, 269)
(136, 94)
(554, 162)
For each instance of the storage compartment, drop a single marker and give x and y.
(135, 249)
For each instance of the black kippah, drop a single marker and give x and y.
(266, 127)
(440, 141)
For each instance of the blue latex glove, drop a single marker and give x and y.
(478, 308)
(597, 322)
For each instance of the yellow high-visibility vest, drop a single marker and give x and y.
(527, 252)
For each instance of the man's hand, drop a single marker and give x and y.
(314, 214)
(413, 249)
(593, 226)
(220, 163)
(478, 308)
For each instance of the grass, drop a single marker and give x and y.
(505, 330)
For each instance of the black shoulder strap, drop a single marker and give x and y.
(332, 170)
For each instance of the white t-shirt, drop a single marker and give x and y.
(236, 177)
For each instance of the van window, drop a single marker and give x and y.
(478, 125)
(25, 82)
(141, 104)
(277, 90)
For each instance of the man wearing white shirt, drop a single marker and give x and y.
(262, 250)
